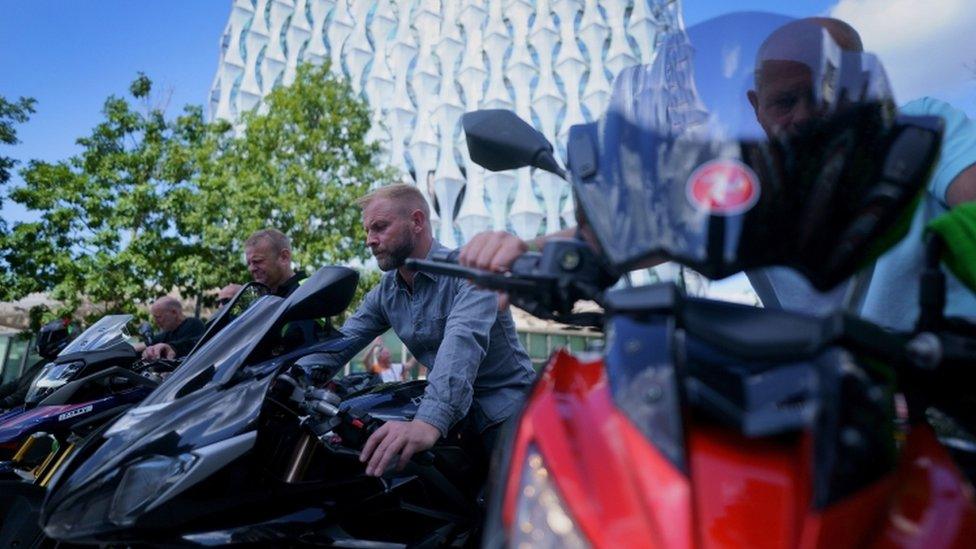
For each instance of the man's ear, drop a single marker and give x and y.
(753, 100)
(419, 220)
(286, 255)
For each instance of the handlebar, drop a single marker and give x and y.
(545, 284)
(525, 264)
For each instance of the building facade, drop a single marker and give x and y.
(422, 63)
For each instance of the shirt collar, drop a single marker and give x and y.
(435, 246)
(289, 285)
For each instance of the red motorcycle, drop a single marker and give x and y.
(711, 424)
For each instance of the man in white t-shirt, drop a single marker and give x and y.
(383, 366)
(888, 293)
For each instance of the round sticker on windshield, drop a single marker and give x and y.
(723, 187)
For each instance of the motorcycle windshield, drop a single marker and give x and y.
(220, 356)
(752, 139)
(108, 332)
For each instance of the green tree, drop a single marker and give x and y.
(298, 167)
(11, 113)
(105, 230)
(153, 204)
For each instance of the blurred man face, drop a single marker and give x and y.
(390, 233)
(166, 318)
(266, 265)
(783, 100)
(784, 96)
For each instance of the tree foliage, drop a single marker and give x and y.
(11, 113)
(298, 167)
(153, 204)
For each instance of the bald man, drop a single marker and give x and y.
(177, 334)
(888, 295)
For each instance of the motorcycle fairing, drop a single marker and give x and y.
(200, 419)
(659, 361)
(107, 333)
(623, 491)
(61, 417)
(215, 396)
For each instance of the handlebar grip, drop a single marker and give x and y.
(445, 256)
(526, 263)
(523, 264)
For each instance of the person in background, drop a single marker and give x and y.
(383, 366)
(269, 260)
(177, 333)
(227, 293)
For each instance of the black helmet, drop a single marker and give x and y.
(53, 337)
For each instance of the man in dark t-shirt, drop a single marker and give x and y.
(178, 334)
(268, 256)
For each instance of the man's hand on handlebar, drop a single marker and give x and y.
(157, 351)
(492, 251)
(496, 251)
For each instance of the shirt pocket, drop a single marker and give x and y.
(430, 332)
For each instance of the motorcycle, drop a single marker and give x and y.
(88, 384)
(238, 446)
(705, 423)
(91, 380)
(87, 377)
(51, 339)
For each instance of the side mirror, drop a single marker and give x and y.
(499, 140)
(326, 293)
(244, 298)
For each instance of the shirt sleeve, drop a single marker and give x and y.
(958, 150)
(450, 382)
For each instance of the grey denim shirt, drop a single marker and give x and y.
(475, 359)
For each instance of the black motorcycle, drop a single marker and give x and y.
(90, 383)
(237, 446)
(51, 339)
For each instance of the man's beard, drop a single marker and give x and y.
(395, 257)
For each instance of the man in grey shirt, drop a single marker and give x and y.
(478, 368)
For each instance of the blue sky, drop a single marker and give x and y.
(72, 54)
(696, 11)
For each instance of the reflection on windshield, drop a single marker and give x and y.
(224, 352)
(107, 332)
(747, 142)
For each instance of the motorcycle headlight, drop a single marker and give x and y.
(52, 377)
(143, 482)
(541, 518)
